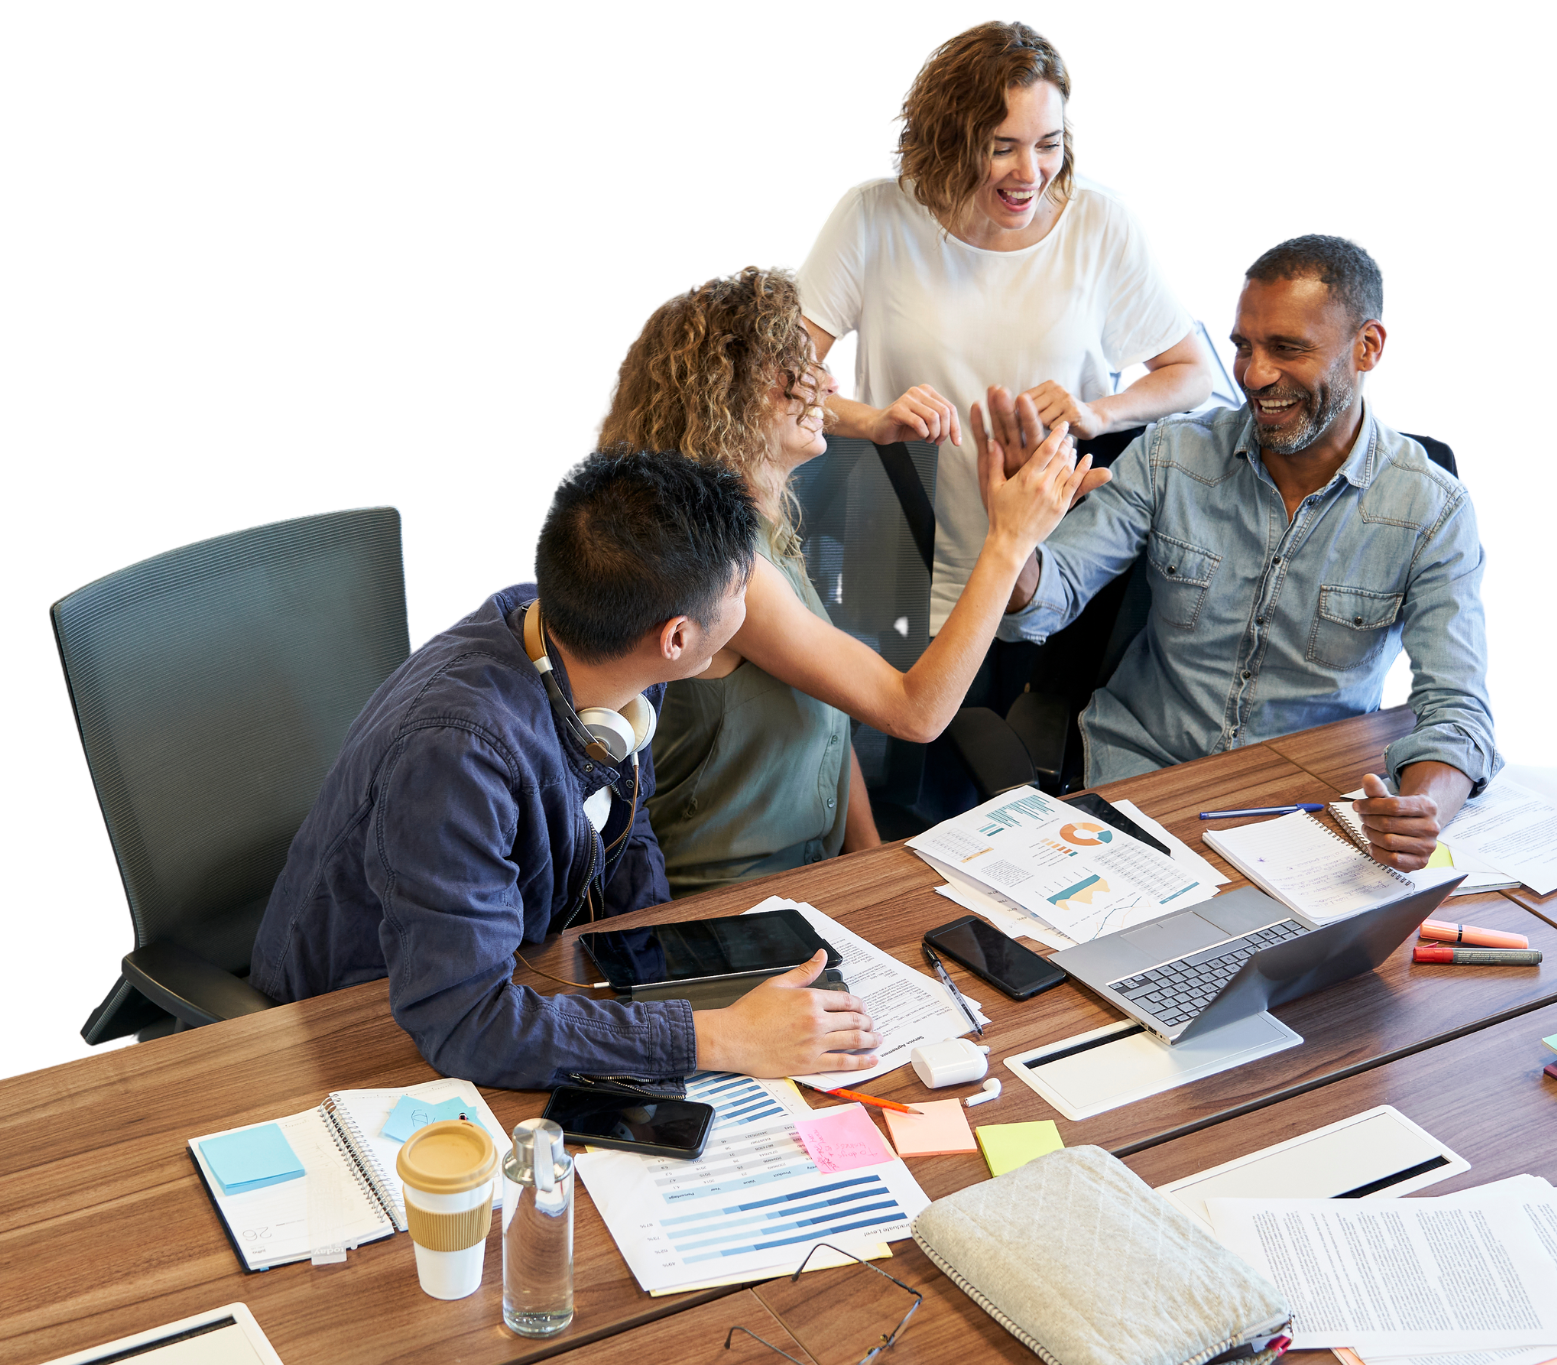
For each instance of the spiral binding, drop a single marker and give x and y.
(371, 1180)
(1351, 846)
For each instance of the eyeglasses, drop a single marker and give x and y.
(887, 1339)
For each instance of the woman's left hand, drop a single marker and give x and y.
(1055, 404)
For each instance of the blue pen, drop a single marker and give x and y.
(1310, 806)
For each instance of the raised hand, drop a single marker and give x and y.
(1025, 507)
(782, 1028)
(1056, 404)
(921, 414)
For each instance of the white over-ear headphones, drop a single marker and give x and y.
(607, 736)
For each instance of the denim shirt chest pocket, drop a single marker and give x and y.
(1180, 578)
(1351, 625)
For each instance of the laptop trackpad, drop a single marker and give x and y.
(1176, 937)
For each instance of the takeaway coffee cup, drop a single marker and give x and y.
(446, 1170)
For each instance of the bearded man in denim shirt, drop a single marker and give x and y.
(471, 812)
(1294, 546)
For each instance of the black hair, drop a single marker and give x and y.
(632, 540)
(1351, 274)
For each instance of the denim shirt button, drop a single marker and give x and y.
(1356, 620)
(1276, 560)
(1173, 568)
(1246, 675)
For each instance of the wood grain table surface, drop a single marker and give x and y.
(106, 1230)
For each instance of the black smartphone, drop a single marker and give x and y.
(1094, 805)
(631, 1121)
(987, 953)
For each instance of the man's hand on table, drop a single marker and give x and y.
(1403, 830)
(782, 1028)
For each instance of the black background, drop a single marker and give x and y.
(291, 271)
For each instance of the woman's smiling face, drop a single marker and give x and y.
(1026, 153)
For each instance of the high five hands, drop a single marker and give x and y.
(1009, 442)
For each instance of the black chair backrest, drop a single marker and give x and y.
(212, 686)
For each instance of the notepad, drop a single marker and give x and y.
(251, 1159)
(410, 1113)
(1478, 876)
(1009, 1145)
(1308, 867)
(342, 1193)
(939, 1129)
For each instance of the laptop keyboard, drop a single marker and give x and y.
(1177, 991)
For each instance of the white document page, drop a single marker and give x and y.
(1403, 1276)
(740, 1101)
(1512, 827)
(1308, 867)
(753, 1204)
(1182, 852)
(1121, 1069)
(1077, 875)
(1380, 1147)
(909, 1008)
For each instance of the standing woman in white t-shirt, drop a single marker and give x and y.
(985, 266)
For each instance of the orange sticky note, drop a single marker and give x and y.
(842, 1139)
(941, 1130)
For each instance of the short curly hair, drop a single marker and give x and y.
(699, 376)
(957, 101)
(1351, 274)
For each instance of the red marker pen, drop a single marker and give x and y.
(1470, 935)
(1476, 957)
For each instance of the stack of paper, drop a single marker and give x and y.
(1468, 1272)
(756, 1201)
(909, 1008)
(1503, 837)
(1038, 856)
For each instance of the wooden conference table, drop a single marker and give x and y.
(105, 1229)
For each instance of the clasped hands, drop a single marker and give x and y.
(1012, 438)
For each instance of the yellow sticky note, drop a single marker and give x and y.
(939, 1130)
(1009, 1145)
(1441, 857)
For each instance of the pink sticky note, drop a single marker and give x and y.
(842, 1139)
(940, 1129)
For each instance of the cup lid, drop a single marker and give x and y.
(448, 1157)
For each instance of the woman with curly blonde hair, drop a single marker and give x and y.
(985, 262)
(753, 766)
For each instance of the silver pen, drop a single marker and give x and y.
(956, 995)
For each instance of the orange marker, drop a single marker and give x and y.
(1470, 935)
(863, 1099)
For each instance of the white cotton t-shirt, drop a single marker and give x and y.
(1077, 307)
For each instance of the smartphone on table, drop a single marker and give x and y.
(633, 1122)
(990, 955)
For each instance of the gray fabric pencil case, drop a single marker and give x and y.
(1082, 1262)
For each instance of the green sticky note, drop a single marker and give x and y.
(1441, 857)
(251, 1159)
(1009, 1145)
(1551, 1042)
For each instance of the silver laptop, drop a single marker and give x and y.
(1192, 971)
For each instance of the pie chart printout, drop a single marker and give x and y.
(1086, 835)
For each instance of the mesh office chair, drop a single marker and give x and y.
(1039, 738)
(212, 687)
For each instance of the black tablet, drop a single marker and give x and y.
(763, 944)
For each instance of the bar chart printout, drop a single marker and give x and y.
(740, 1101)
(753, 1203)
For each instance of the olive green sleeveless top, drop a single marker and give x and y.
(751, 776)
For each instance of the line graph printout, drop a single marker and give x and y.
(743, 1100)
(753, 1204)
(1072, 874)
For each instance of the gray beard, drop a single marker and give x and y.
(1335, 396)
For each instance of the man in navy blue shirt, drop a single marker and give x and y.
(495, 789)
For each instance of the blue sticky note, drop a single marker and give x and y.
(251, 1158)
(410, 1114)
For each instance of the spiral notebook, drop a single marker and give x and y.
(1478, 876)
(1308, 867)
(348, 1194)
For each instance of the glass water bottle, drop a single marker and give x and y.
(537, 1231)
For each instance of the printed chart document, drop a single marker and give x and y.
(1058, 864)
(908, 1007)
(740, 1101)
(752, 1205)
(1405, 1276)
